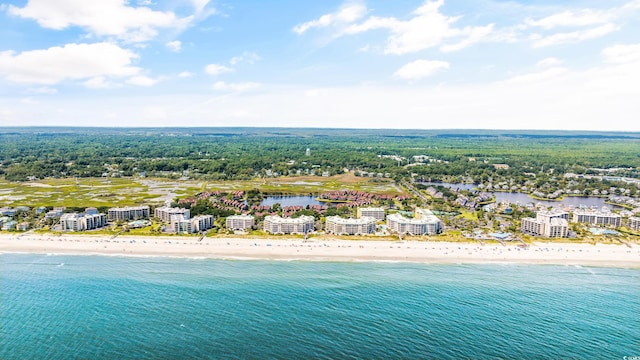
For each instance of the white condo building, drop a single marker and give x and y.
(377, 213)
(424, 223)
(129, 213)
(181, 225)
(82, 221)
(597, 217)
(547, 223)
(240, 222)
(341, 226)
(164, 213)
(634, 223)
(554, 227)
(279, 225)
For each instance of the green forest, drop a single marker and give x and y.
(248, 153)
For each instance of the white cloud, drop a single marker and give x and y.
(142, 80)
(246, 57)
(234, 87)
(29, 101)
(155, 113)
(185, 74)
(174, 46)
(474, 35)
(622, 54)
(348, 13)
(420, 69)
(536, 77)
(102, 18)
(578, 18)
(99, 82)
(548, 62)
(216, 69)
(44, 90)
(70, 62)
(573, 37)
(426, 29)
(600, 97)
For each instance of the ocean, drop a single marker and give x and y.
(100, 307)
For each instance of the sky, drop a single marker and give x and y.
(405, 64)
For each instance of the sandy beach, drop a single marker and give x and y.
(324, 250)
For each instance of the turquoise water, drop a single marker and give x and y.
(58, 307)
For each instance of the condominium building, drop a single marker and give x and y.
(181, 225)
(634, 223)
(555, 213)
(82, 221)
(202, 222)
(547, 223)
(279, 225)
(164, 213)
(424, 223)
(341, 226)
(597, 217)
(129, 213)
(377, 213)
(532, 226)
(240, 222)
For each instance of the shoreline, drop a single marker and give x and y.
(327, 250)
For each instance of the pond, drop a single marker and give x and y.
(451, 185)
(297, 200)
(574, 201)
(522, 198)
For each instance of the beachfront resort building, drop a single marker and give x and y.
(547, 223)
(83, 221)
(554, 227)
(164, 213)
(374, 212)
(597, 217)
(278, 225)
(423, 223)
(129, 213)
(634, 223)
(341, 226)
(181, 225)
(240, 222)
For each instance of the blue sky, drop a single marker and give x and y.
(352, 64)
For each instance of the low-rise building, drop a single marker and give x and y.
(240, 222)
(374, 212)
(597, 217)
(129, 213)
(164, 213)
(341, 226)
(9, 225)
(82, 221)
(7, 211)
(55, 213)
(278, 225)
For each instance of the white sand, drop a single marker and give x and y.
(323, 250)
